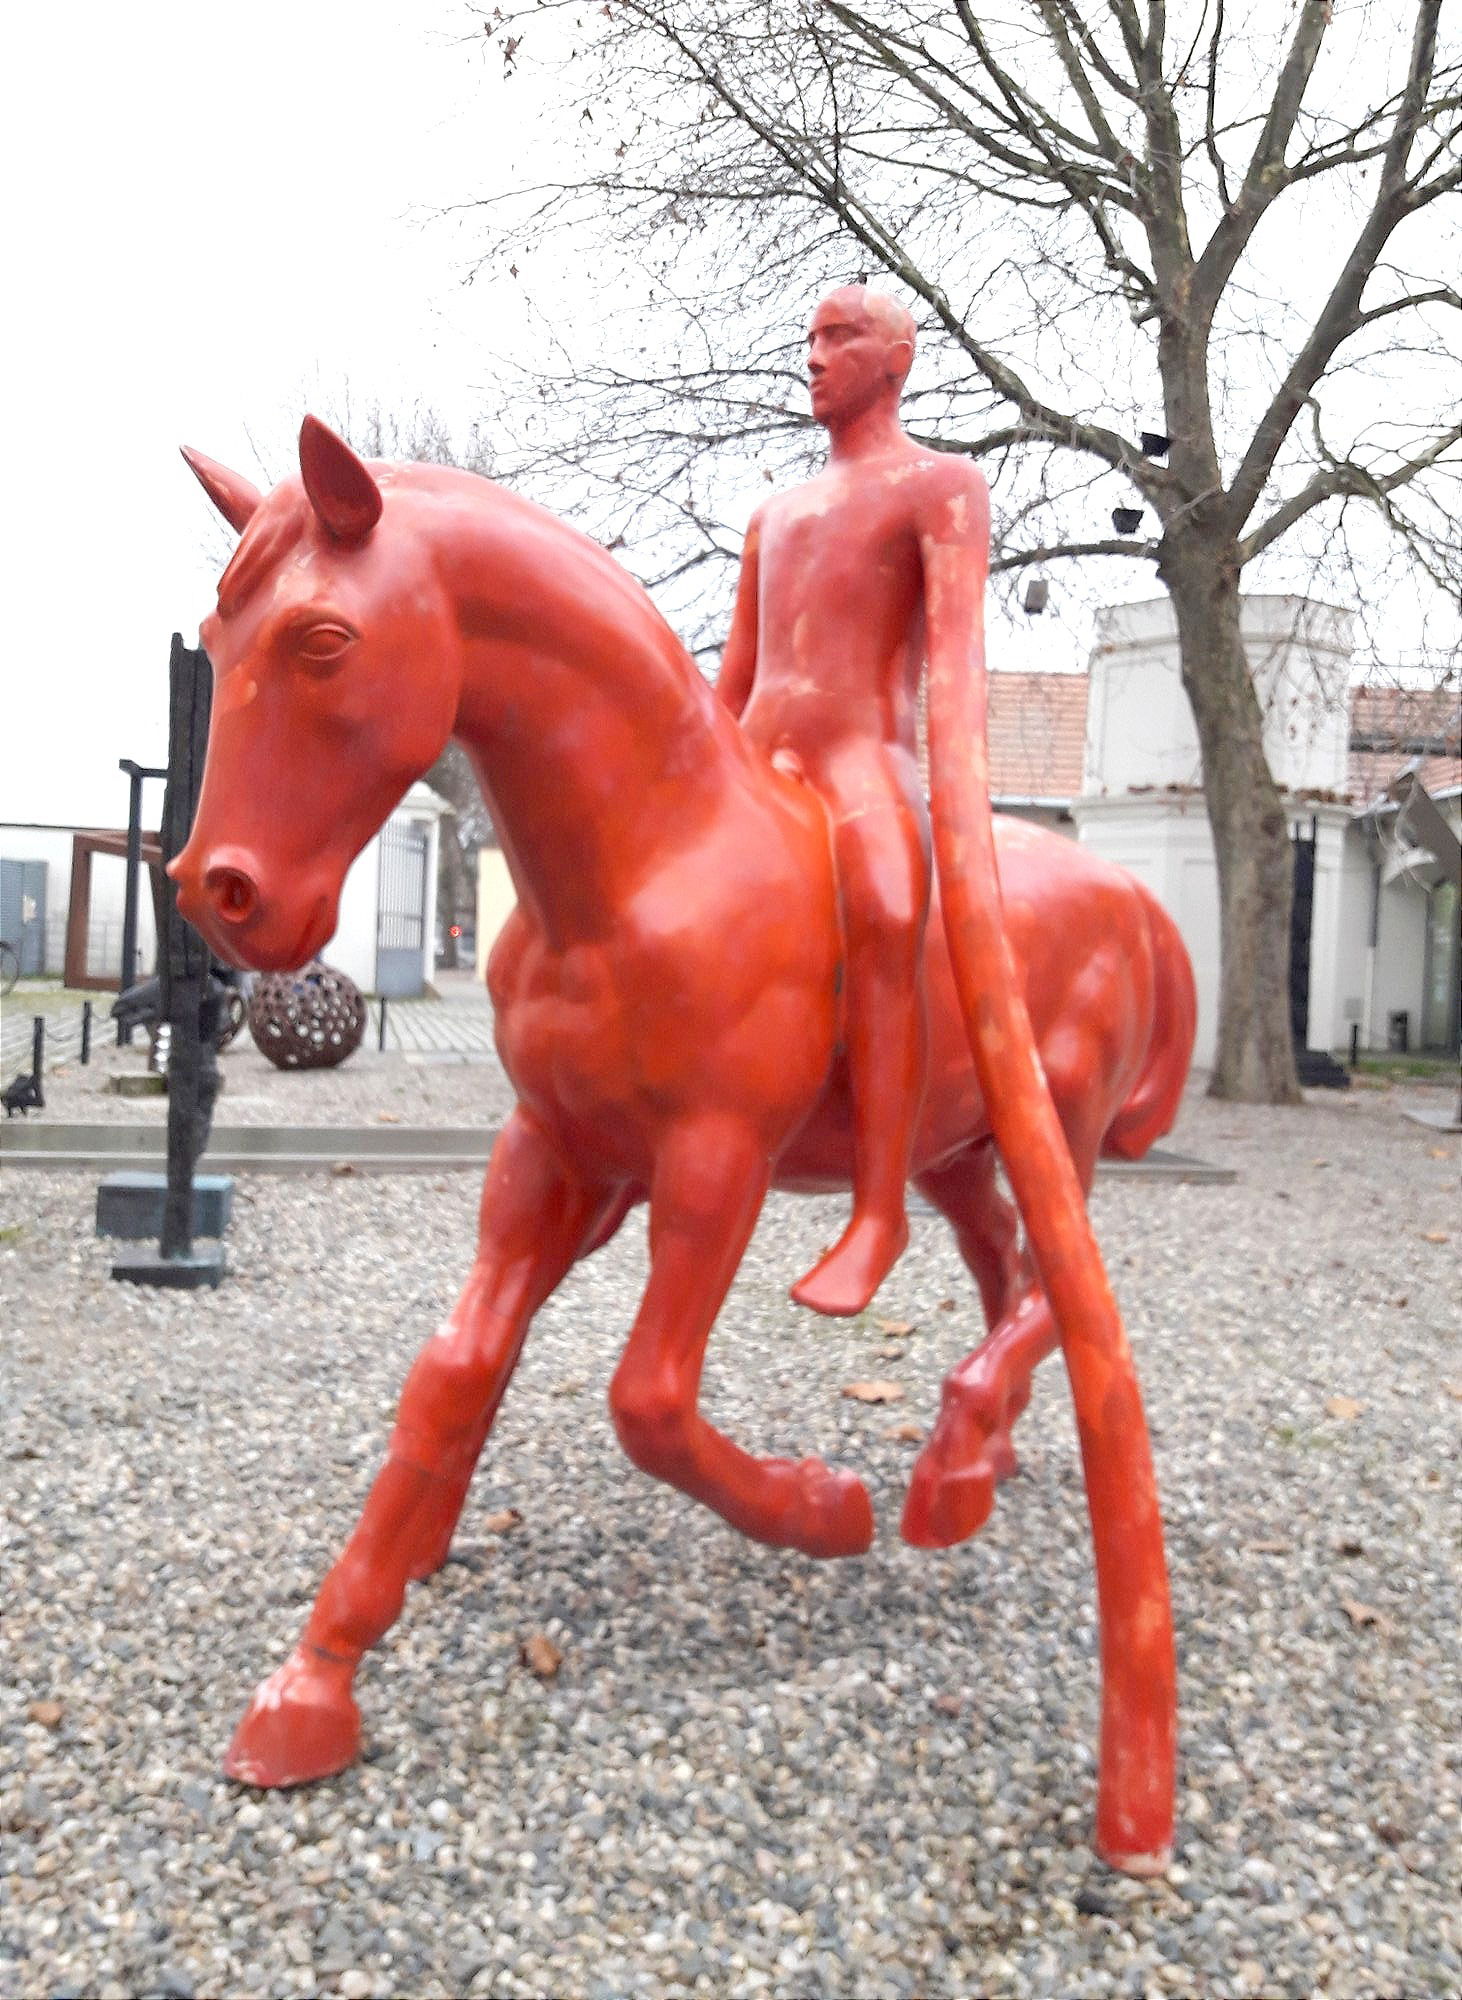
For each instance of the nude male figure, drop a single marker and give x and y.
(849, 585)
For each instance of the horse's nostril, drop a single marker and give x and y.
(232, 893)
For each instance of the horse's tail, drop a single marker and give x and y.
(1152, 1103)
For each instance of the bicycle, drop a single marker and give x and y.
(9, 966)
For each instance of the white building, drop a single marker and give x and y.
(1381, 950)
(384, 939)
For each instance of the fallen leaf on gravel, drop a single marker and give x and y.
(905, 1434)
(1268, 1548)
(890, 1353)
(388, 1117)
(945, 1306)
(1346, 1408)
(874, 1392)
(1363, 1615)
(1435, 1236)
(342, 1167)
(1454, 1390)
(540, 1656)
(1350, 1548)
(47, 1713)
(569, 1388)
(949, 1704)
(503, 1523)
(1440, 1153)
(894, 1327)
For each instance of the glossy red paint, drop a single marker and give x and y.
(667, 992)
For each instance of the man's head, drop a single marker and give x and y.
(859, 348)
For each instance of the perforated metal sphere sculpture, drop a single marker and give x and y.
(311, 1019)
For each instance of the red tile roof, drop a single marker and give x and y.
(1391, 728)
(1038, 737)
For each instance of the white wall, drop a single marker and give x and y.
(496, 901)
(52, 844)
(352, 950)
(1164, 839)
(1140, 733)
(1400, 959)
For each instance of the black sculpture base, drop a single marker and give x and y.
(146, 1265)
(1320, 1071)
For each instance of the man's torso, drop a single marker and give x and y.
(840, 593)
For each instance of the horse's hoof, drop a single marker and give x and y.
(1146, 1867)
(834, 1515)
(431, 1560)
(944, 1507)
(302, 1724)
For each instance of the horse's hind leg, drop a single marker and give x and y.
(985, 1225)
(303, 1722)
(709, 1184)
(952, 1488)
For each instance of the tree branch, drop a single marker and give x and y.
(1058, 551)
(1344, 477)
(1340, 315)
(1265, 176)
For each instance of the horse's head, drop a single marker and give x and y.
(337, 667)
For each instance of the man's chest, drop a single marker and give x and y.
(818, 541)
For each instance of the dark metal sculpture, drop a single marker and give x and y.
(187, 1000)
(312, 1019)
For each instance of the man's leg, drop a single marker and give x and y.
(883, 877)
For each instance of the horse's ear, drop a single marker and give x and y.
(234, 497)
(341, 489)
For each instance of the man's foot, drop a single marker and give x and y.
(844, 1281)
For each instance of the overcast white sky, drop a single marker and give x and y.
(217, 220)
(223, 216)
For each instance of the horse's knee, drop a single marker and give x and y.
(651, 1423)
(445, 1391)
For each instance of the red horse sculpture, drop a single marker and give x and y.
(667, 1009)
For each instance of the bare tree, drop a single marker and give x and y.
(1085, 199)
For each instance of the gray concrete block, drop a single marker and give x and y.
(130, 1204)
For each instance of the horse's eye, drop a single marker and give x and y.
(324, 645)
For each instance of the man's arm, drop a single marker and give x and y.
(738, 662)
(954, 548)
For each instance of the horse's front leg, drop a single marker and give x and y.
(303, 1722)
(710, 1181)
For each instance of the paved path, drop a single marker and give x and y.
(458, 1022)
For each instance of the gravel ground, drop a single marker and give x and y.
(753, 1774)
(419, 1090)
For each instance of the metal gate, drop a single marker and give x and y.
(401, 910)
(23, 913)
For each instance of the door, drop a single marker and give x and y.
(401, 910)
(1301, 922)
(23, 913)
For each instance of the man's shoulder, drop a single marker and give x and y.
(949, 472)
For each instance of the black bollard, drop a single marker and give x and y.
(86, 1031)
(38, 1060)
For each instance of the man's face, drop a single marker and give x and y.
(851, 359)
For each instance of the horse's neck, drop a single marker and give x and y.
(597, 744)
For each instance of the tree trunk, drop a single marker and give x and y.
(1254, 1061)
(451, 888)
